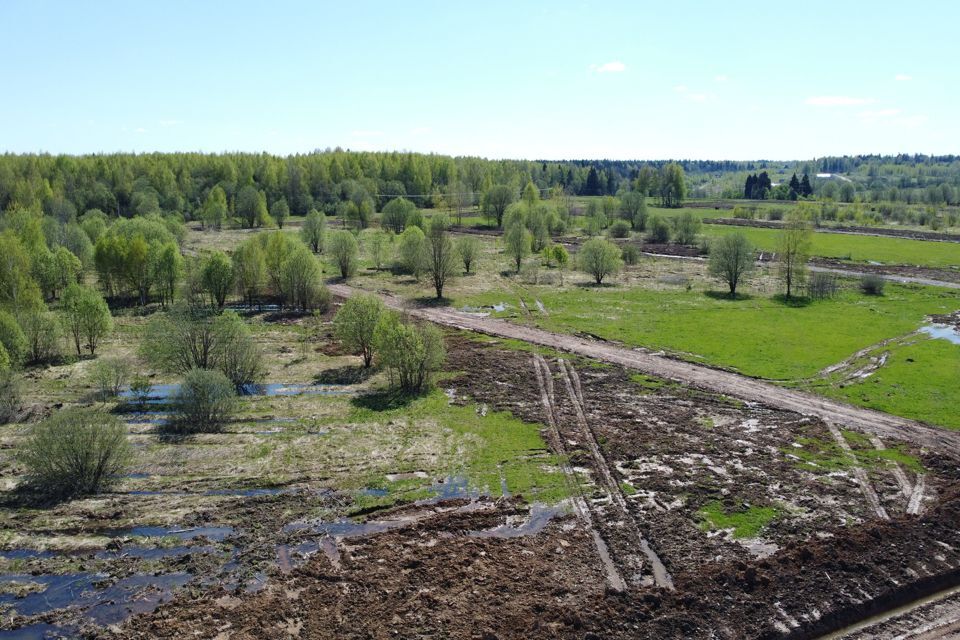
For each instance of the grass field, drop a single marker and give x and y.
(857, 248)
(757, 336)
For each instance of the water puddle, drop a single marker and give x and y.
(163, 394)
(344, 528)
(153, 553)
(39, 631)
(943, 331)
(26, 554)
(452, 488)
(540, 516)
(214, 534)
(374, 493)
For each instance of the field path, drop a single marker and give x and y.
(703, 377)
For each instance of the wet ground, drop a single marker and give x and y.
(692, 515)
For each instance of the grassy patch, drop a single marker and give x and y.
(918, 381)
(746, 522)
(824, 456)
(856, 248)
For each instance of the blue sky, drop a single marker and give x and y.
(737, 80)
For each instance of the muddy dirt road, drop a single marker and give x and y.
(715, 380)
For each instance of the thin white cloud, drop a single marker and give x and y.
(140, 130)
(902, 77)
(721, 78)
(684, 90)
(610, 67)
(680, 88)
(366, 133)
(837, 101)
(170, 123)
(879, 114)
(419, 131)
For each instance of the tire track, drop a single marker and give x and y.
(545, 381)
(906, 488)
(866, 487)
(660, 574)
(916, 499)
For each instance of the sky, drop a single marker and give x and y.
(522, 79)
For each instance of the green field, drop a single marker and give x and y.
(760, 337)
(856, 248)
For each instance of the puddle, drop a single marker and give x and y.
(540, 516)
(39, 631)
(56, 592)
(215, 534)
(26, 554)
(943, 331)
(133, 595)
(153, 553)
(162, 394)
(248, 493)
(452, 488)
(344, 528)
(759, 548)
(374, 493)
(500, 306)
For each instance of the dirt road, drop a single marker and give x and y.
(715, 380)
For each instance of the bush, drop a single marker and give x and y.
(822, 285)
(43, 332)
(410, 352)
(631, 255)
(87, 317)
(412, 254)
(355, 324)
(599, 258)
(140, 389)
(12, 338)
(110, 375)
(620, 229)
(658, 230)
(686, 227)
(343, 250)
(204, 402)
(75, 452)
(872, 285)
(9, 396)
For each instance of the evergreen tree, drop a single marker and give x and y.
(592, 187)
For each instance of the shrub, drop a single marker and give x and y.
(686, 227)
(412, 254)
(872, 284)
(12, 338)
(86, 316)
(631, 255)
(821, 286)
(42, 331)
(731, 259)
(75, 452)
(620, 229)
(469, 250)
(9, 396)
(599, 258)
(110, 375)
(140, 389)
(658, 230)
(410, 352)
(342, 248)
(313, 230)
(355, 324)
(204, 402)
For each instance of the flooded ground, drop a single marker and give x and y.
(602, 504)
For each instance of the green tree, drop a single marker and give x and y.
(280, 211)
(251, 207)
(302, 276)
(249, 270)
(412, 252)
(531, 195)
(355, 323)
(793, 251)
(599, 258)
(731, 259)
(313, 230)
(12, 338)
(216, 275)
(633, 209)
(86, 317)
(516, 243)
(203, 403)
(342, 248)
(495, 201)
(397, 214)
(167, 268)
(672, 185)
(685, 228)
(215, 209)
(379, 247)
(441, 253)
(468, 248)
(410, 352)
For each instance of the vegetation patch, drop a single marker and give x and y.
(745, 521)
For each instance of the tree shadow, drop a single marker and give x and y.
(725, 296)
(795, 302)
(389, 400)
(594, 285)
(432, 301)
(349, 374)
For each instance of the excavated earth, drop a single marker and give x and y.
(854, 532)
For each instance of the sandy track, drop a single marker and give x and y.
(715, 380)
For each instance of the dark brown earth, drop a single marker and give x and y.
(911, 234)
(836, 560)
